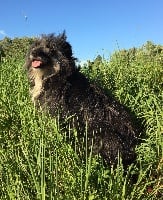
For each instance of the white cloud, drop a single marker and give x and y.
(2, 32)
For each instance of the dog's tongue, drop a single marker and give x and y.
(36, 63)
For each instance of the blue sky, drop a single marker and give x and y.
(93, 26)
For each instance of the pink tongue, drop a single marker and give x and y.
(36, 63)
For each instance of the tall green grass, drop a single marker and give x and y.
(37, 162)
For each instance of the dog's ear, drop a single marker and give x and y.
(64, 46)
(66, 61)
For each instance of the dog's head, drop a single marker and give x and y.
(50, 55)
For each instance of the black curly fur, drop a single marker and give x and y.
(62, 87)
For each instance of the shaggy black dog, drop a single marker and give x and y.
(57, 86)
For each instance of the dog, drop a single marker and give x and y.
(58, 86)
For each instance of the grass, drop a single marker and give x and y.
(36, 161)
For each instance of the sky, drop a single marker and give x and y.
(93, 27)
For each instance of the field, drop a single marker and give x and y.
(37, 162)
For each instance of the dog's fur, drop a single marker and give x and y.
(57, 85)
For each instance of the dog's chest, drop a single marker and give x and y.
(38, 76)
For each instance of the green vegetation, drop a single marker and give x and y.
(36, 161)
